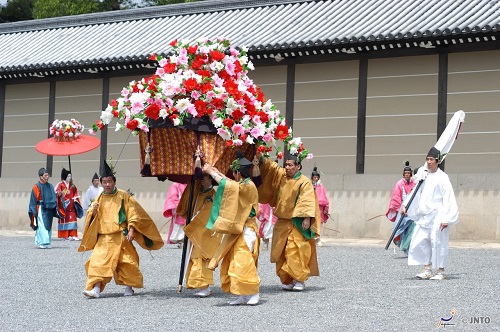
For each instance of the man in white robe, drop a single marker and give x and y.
(91, 194)
(433, 209)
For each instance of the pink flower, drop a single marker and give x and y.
(238, 129)
(267, 138)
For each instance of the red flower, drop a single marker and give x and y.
(264, 117)
(132, 124)
(172, 117)
(153, 57)
(218, 103)
(204, 73)
(169, 68)
(204, 88)
(281, 132)
(201, 107)
(192, 49)
(243, 137)
(99, 124)
(229, 142)
(224, 75)
(228, 122)
(237, 114)
(216, 55)
(153, 111)
(280, 155)
(115, 113)
(114, 103)
(238, 68)
(261, 148)
(173, 43)
(190, 84)
(231, 87)
(197, 63)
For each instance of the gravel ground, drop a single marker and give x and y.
(362, 287)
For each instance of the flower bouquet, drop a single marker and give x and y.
(66, 130)
(202, 86)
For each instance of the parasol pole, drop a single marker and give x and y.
(69, 161)
(185, 244)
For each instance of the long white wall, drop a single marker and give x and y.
(353, 200)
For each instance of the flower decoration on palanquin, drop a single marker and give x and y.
(205, 79)
(66, 130)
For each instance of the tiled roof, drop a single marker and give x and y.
(265, 27)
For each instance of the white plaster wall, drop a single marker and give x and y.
(353, 200)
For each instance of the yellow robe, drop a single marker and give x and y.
(238, 273)
(204, 241)
(294, 254)
(113, 255)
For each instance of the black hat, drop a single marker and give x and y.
(42, 171)
(95, 177)
(434, 153)
(240, 162)
(407, 167)
(64, 173)
(106, 170)
(295, 157)
(315, 172)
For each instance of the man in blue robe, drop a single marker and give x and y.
(42, 209)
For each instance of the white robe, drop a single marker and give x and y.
(90, 196)
(432, 205)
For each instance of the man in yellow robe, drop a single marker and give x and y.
(204, 242)
(234, 213)
(292, 194)
(113, 221)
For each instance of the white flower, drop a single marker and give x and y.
(106, 117)
(119, 126)
(217, 122)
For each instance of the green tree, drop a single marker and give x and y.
(149, 3)
(16, 10)
(56, 8)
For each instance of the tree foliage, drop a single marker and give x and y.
(19, 10)
(16, 10)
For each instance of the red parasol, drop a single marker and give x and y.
(62, 144)
(82, 144)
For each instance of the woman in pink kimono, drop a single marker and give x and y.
(175, 232)
(324, 204)
(267, 220)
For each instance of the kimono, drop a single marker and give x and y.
(41, 211)
(432, 205)
(237, 202)
(177, 222)
(324, 204)
(67, 226)
(293, 249)
(113, 255)
(204, 242)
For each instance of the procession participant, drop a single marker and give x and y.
(203, 241)
(42, 209)
(267, 221)
(434, 208)
(113, 221)
(91, 194)
(177, 222)
(239, 249)
(324, 204)
(293, 248)
(401, 189)
(67, 228)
